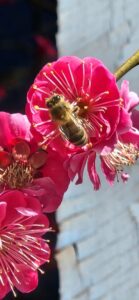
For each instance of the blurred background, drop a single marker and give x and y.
(97, 250)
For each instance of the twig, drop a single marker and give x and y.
(129, 64)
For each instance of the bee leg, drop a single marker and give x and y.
(76, 110)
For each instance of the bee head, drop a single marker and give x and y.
(51, 102)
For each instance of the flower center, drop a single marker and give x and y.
(16, 175)
(21, 244)
(122, 156)
(18, 168)
(82, 109)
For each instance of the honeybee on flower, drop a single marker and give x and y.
(66, 116)
(113, 163)
(91, 96)
(76, 107)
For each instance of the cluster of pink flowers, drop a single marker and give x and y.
(75, 112)
(106, 112)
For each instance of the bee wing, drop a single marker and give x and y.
(85, 123)
(67, 130)
(88, 127)
(65, 133)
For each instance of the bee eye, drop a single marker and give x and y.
(56, 99)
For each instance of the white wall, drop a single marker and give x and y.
(98, 245)
(106, 29)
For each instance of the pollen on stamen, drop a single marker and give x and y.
(121, 102)
(88, 146)
(36, 107)
(34, 86)
(39, 124)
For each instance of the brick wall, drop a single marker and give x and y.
(98, 244)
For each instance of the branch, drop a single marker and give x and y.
(129, 64)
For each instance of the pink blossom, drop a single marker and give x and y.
(87, 85)
(124, 154)
(126, 150)
(131, 101)
(24, 166)
(130, 98)
(22, 248)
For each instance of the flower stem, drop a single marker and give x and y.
(129, 64)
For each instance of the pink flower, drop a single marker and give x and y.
(76, 165)
(125, 152)
(114, 164)
(131, 100)
(22, 248)
(92, 98)
(25, 167)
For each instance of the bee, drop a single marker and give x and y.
(66, 117)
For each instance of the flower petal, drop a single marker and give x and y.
(38, 159)
(3, 206)
(75, 165)
(5, 159)
(28, 279)
(131, 99)
(132, 136)
(26, 212)
(109, 174)
(92, 171)
(125, 122)
(4, 288)
(21, 150)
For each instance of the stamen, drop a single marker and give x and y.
(1, 280)
(123, 155)
(99, 97)
(73, 81)
(90, 79)
(69, 87)
(39, 124)
(54, 83)
(40, 108)
(62, 83)
(35, 87)
(83, 76)
(41, 271)
(49, 138)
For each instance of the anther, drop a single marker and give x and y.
(35, 87)
(89, 146)
(36, 107)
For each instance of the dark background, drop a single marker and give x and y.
(27, 41)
